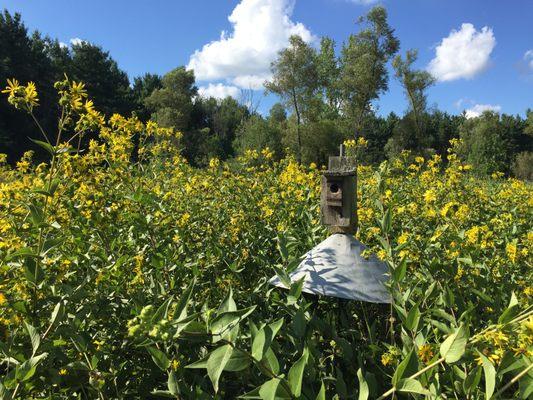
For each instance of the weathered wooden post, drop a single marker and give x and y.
(336, 267)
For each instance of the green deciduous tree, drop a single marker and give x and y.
(363, 63)
(172, 104)
(328, 74)
(258, 133)
(487, 144)
(296, 81)
(415, 84)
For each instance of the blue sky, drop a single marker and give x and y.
(481, 50)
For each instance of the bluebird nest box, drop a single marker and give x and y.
(336, 267)
(339, 195)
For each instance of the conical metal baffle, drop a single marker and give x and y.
(336, 268)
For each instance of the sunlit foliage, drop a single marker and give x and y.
(124, 272)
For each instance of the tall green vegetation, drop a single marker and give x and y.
(491, 142)
(171, 105)
(415, 84)
(258, 133)
(296, 81)
(364, 59)
(328, 94)
(24, 57)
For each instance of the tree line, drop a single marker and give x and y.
(327, 95)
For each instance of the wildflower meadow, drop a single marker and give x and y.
(127, 273)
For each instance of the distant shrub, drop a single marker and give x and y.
(523, 165)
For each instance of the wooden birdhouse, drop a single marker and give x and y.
(339, 195)
(336, 267)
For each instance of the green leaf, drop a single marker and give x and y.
(406, 368)
(261, 343)
(490, 376)
(282, 247)
(47, 146)
(50, 243)
(226, 320)
(526, 387)
(299, 323)
(34, 337)
(57, 314)
(162, 311)
(296, 288)
(172, 383)
(228, 304)
(472, 380)
(511, 311)
(200, 364)
(22, 253)
(400, 271)
(441, 326)
(50, 189)
(386, 222)
(283, 277)
(453, 348)
(27, 369)
(33, 272)
(268, 389)
(364, 390)
(36, 215)
(296, 373)
(160, 358)
(217, 362)
(271, 360)
(411, 386)
(181, 309)
(239, 361)
(263, 339)
(413, 318)
(253, 394)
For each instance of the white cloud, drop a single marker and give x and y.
(63, 45)
(261, 28)
(219, 91)
(528, 58)
(479, 109)
(463, 54)
(76, 41)
(254, 82)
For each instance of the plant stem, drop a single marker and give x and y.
(514, 380)
(414, 376)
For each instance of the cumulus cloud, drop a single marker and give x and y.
(219, 91)
(463, 54)
(76, 41)
(479, 109)
(260, 28)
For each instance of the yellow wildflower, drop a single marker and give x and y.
(511, 251)
(425, 353)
